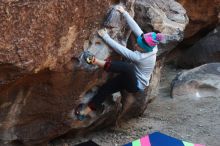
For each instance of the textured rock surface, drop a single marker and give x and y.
(200, 82)
(204, 51)
(43, 76)
(37, 35)
(46, 34)
(166, 16)
(203, 15)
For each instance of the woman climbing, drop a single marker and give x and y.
(132, 77)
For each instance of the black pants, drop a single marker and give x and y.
(126, 79)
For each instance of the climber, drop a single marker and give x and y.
(132, 77)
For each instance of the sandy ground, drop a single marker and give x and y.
(196, 121)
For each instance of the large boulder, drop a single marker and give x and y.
(166, 16)
(37, 35)
(43, 75)
(200, 82)
(204, 51)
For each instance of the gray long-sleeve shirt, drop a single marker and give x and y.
(144, 62)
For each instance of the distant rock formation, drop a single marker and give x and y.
(204, 51)
(203, 15)
(200, 82)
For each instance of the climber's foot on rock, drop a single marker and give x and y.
(79, 112)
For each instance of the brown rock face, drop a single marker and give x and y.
(203, 14)
(36, 35)
(166, 16)
(39, 35)
(198, 47)
(162, 15)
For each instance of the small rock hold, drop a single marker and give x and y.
(150, 127)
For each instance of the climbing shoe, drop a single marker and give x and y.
(78, 111)
(89, 57)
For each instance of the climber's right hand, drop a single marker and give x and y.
(120, 9)
(102, 32)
